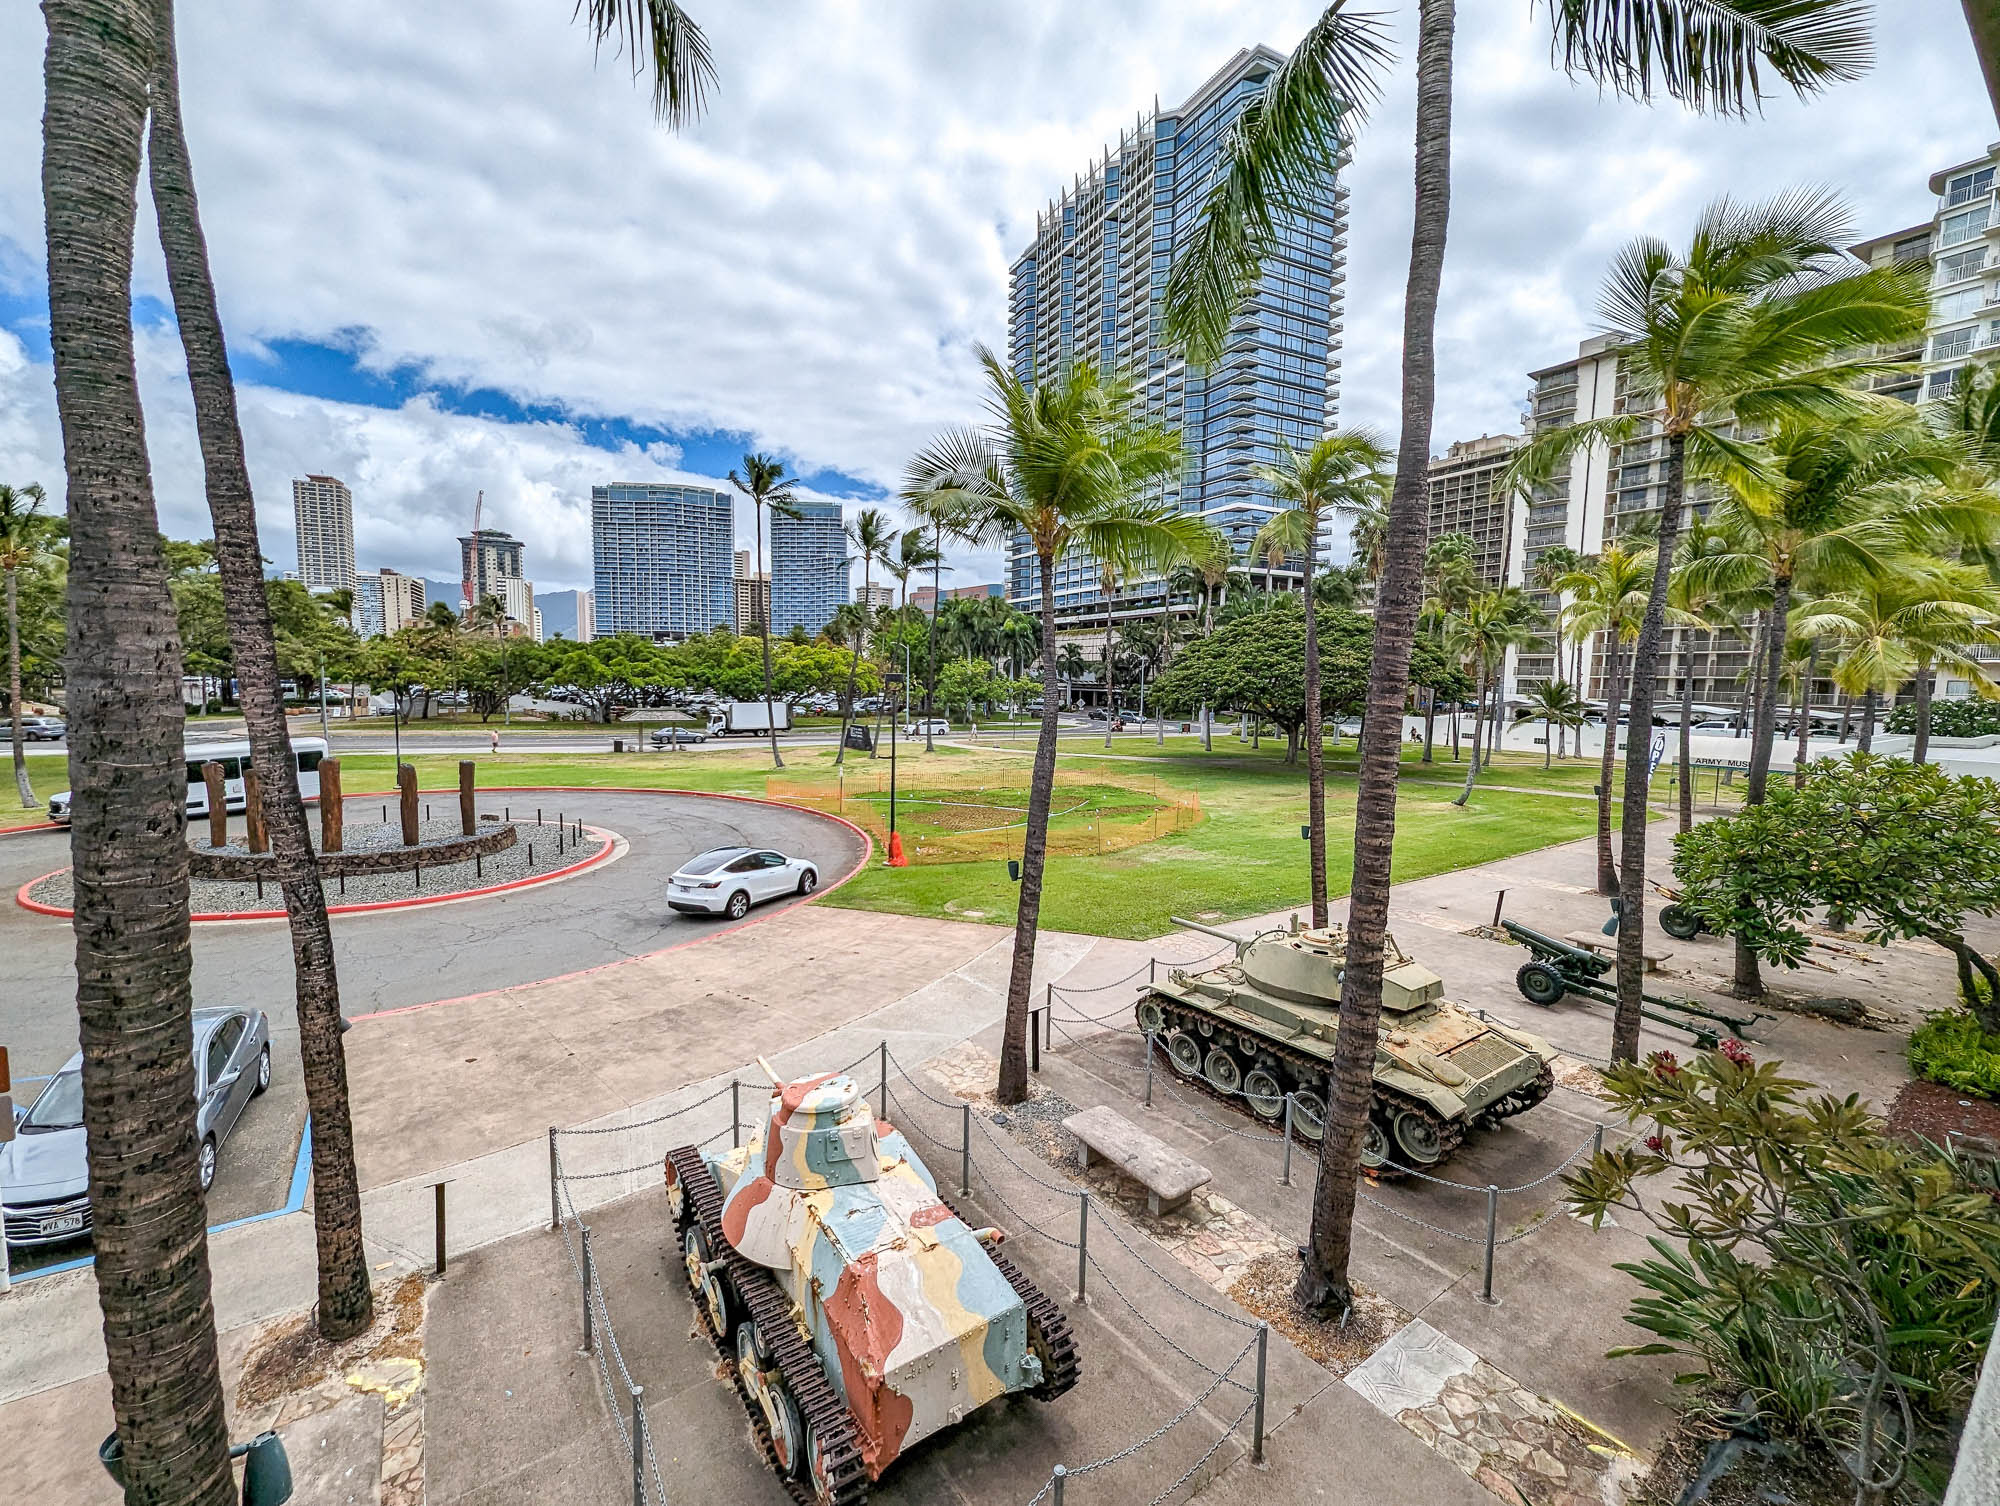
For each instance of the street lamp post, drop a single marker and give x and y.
(322, 693)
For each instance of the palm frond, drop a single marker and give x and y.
(661, 38)
(1708, 53)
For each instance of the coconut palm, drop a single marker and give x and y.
(345, 1306)
(1695, 601)
(1369, 537)
(1551, 565)
(764, 482)
(873, 539)
(21, 536)
(1342, 472)
(127, 830)
(1553, 703)
(1061, 466)
(1608, 596)
(1480, 632)
(1071, 664)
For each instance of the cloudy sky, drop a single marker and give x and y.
(455, 252)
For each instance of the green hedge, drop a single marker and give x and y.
(1967, 718)
(1951, 1049)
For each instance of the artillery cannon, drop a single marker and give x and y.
(1558, 969)
(1261, 1028)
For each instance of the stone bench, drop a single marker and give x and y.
(1169, 1177)
(1607, 946)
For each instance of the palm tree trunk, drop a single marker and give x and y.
(1013, 1087)
(1919, 753)
(1166, 635)
(1548, 742)
(1639, 764)
(1430, 719)
(128, 840)
(21, 784)
(937, 611)
(1478, 727)
(345, 1306)
(1866, 741)
(1607, 869)
(853, 665)
(1804, 750)
(1686, 769)
(1315, 739)
(1324, 1284)
(1109, 670)
(764, 636)
(1771, 672)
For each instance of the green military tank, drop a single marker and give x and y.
(1262, 1026)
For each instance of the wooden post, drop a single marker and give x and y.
(218, 805)
(331, 811)
(406, 790)
(468, 818)
(253, 810)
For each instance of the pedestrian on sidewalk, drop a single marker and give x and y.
(496, 739)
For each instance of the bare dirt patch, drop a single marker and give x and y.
(1266, 1289)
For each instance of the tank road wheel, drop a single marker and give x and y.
(1309, 1115)
(1418, 1137)
(1680, 922)
(766, 1385)
(1540, 984)
(709, 1283)
(1263, 1092)
(818, 1474)
(1223, 1073)
(1184, 1052)
(1152, 1019)
(1374, 1145)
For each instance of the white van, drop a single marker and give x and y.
(306, 751)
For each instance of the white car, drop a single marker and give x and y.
(729, 880)
(934, 726)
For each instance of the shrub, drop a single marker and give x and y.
(1972, 717)
(1951, 1049)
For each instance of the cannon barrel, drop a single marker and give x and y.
(1541, 941)
(1239, 942)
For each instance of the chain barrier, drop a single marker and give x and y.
(613, 1129)
(1221, 1438)
(1139, 1313)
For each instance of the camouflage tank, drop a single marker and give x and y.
(1261, 1026)
(859, 1313)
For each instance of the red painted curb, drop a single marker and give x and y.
(8, 831)
(610, 846)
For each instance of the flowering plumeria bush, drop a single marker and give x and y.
(1847, 1283)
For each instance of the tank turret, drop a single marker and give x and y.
(861, 1313)
(1263, 1025)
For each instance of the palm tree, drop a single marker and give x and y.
(1072, 664)
(1369, 537)
(1608, 597)
(764, 482)
(1341, 473)
(1282, 152)
(1553, 703)
(20, 541)
(346, 1306)
(1551, 565)
(1061, 465)
(1110, 569)
(127, 830)
(872, 538)
(1693, 600)
(487, 615)
(440, 617)
(1481, 632)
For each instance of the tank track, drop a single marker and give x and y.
(820, 1407)
(1062, 1366)
(1306, 1068)
(1522, 1099)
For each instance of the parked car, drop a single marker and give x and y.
(44, 1177)
(729, 880)
(1715, 727)
(926, 725)
(34, 729)
(662, 736)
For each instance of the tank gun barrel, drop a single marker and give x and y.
(1219, 934)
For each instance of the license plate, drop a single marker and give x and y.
(69, 1223)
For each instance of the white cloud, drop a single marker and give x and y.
(812, 262)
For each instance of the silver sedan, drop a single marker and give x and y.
(44, 1177)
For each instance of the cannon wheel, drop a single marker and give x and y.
(1540, 983)
(1680, 922)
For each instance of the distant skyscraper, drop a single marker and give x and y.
(1091, 288)
(518, 597)
(323, 514)
(808, 567)
(586, 616)
(875, 595)
(1462, 500)
(662, 559)
(753, 596)
(385, 602)
(487, 559)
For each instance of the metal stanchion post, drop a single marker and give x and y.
(1597, 1142)
(735, 1113)
(1285, 1177)
(555, 1196)
(589, 1275)
(638, 1446)
(1482, 1015)
(884, 1106)
(1152, 971)
(440, 1228)
(1034, 1041)
(1257, 1421)
(1082, 1243)
(1149, 1069)
(1056, 1485)
(965, 1151)
(1492, 1228)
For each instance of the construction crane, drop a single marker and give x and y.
(472, 554)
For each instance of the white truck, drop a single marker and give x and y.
(748, 717)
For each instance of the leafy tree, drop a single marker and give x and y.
(1904, 849)
(1844, 1280)
(1555, 704)
(1062, 467)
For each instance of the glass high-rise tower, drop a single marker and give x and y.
(1092, 288)
(661, 556)
(808, 581)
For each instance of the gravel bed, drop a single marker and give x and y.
(214, 896)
